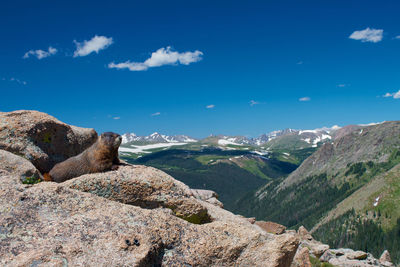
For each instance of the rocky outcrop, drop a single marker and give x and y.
(21, 168)
(342, 257)
(271, 227)
(41, 138)
(207, 195)
(304, 234)
(145, 187)
(315, 247)
(348, 257)
(133, 216)
(50, 223)
(302, 258)
(385, 259)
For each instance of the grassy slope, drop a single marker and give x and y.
(359, 224)
(349, 174)
(289, 142)
(296, 156)
(386, 186)
(309, 200)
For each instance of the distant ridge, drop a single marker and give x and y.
(157, 138)
(287, 138)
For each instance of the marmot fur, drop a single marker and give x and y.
(99, 157)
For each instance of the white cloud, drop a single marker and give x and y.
(306, 98)
(395, 95)
(368, 35)
(252, 103)
(117, 118)
(156, 114)
(388, 95)
(132, 66)
(163, 56)
(300, 63)
(397, 37)
(341, 85)
(95, 44)
(210, 106)
(12, 79)
(41, 53)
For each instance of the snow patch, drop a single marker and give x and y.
(376, 201)
(226, 148)
(229, 141)
(371, 124)
(307, 131)
(259, 153)
(142, 149)
(320, 138)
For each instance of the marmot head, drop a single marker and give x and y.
(111, 140)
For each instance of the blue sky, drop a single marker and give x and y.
(249, 62)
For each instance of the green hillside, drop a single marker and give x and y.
(344, 190)
(362, 222)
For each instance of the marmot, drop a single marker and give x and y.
(101, 156)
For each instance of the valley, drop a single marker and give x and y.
(230, 166)
(230, 173)
(342, 183)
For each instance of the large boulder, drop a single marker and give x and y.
(304, 234)
(271, 227)
(20, 167)
(385, 259)
(357, 255)
(207, 195)
(316, 248)
(41, 138)
(103, 219)
(145, 187)
(302, 258)
(345, 257)
(385, 256)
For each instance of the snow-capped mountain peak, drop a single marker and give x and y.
(307, 137)
(312, 137)
(157, 138)
(128, 137)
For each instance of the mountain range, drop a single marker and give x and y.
(288, 138)
(156, 138)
